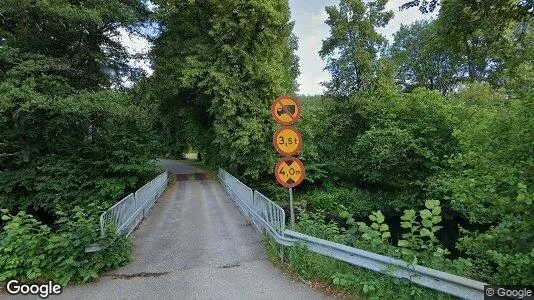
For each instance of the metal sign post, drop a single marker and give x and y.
(287, 141)
(291, 209)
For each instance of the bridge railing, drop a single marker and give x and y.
(269, 218)
(128, 212)
(261, 211)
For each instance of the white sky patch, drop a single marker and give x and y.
(309, 17)
(136, 45)
(311, 30)
(401, 17)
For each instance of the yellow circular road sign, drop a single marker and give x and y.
(286, 110)
(287, 141)
(289, 172)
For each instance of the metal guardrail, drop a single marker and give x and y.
(269, 218)
(264, 213)
(127, 213)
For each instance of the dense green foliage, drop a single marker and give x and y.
(70, 144)
(422, 149)
(441, 159)
(85, 148)
(353, 46)
(32, 251)
(222, 73)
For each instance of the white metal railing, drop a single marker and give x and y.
(128, 212)
(269, 218)
(263, 212)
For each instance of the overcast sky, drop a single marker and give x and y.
(309, 17)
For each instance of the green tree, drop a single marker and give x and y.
(423, 62)
(65, 137)
(80, 37)
(352, 48)
(490, 182)
(487, 36)
(224, 62)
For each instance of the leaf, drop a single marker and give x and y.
(406, 224)
(426, 232)
(344, 214)
(384, 227)
(436, 228)
(425, 214)
(408, 215)
(427, 223)
(380, 217)
(430, 204)
(386, 235)
(403, 243)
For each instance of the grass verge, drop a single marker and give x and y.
(346, 280)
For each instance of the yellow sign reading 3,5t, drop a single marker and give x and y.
(287, 141)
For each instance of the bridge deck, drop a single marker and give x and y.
(195, 244)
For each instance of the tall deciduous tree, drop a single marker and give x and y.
(353, 46)
(224, 62)
(422, 59)
(66, 138)
(80, 37)
(488, 36)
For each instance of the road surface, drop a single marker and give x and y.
(195, 244)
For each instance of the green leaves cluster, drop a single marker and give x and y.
(34, 252)
(469, 41)
(456, 126)
(223, 63)
(81, 149)
(377, 234)
(391, 139)
(71, 143)
(422, 234)
(67, 139)
(353, 46)
(352, 280)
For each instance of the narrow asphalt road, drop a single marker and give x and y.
(195, 244)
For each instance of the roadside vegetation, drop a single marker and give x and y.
(73, 141)
(422, 149)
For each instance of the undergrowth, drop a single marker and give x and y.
(350, 279)
(33, 252)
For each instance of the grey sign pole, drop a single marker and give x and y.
(291, 209)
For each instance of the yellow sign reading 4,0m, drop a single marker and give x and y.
(289, 172)
(287, 141)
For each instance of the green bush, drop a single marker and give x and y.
(490, 182)
(85, 148)
(354, 280)
(357, 201)
(394, 140)
(32, 251)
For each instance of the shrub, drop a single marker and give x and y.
(357, 201)
(352, 279)
(35, 252)
(88, 147)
